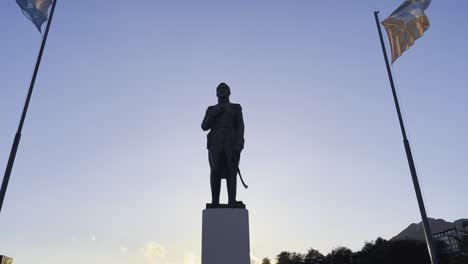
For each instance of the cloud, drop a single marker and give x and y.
(153, 251)
(191, 258)
(93, 237)
(254, 260)
(124, 249)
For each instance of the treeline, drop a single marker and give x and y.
(380, 251)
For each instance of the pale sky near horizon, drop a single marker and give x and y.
(113, 159)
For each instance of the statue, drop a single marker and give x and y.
(225, 143)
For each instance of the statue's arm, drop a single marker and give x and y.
(206, 123)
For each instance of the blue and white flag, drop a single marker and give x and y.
(406, 25)
(35, 10)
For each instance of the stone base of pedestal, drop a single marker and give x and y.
(225, 236)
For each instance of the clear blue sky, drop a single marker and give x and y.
(113, 158)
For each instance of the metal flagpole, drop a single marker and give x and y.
(409, 155)
(14, 148)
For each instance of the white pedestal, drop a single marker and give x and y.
(225, 236)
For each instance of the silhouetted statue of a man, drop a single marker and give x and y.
(225, 143)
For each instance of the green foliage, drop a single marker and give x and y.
(290, 258)
(373, 252)
(266, 261)
(297, 258)
(284, 258)
(313, 256)
(340, 255)
(380, 251)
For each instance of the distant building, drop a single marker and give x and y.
(451, 236)
(5, 260)
(465, 225)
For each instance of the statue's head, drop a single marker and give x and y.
(223, 90)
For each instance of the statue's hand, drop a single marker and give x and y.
(218, 109)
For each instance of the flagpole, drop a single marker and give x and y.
(409, 155)
(14, 148)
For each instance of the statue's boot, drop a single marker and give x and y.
(236, 204)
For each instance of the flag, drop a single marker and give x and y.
(35, 10)
(405, 25)
(6, 260)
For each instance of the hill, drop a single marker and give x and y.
(416, 232)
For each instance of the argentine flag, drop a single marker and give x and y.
(35, 10)
(406, 25)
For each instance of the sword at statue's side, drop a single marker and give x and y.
(242, 180)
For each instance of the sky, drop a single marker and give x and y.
(112, 166)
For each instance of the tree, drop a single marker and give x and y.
(284, 258)
(382, 251)
(373, 252)
(408, 252)
(313, 256)
(297, 258)
(340, 255)
(266, 261)
(289, 258)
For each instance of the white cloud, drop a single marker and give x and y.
(154, 251)
(124, 249)
(191, 258)
(254, 260)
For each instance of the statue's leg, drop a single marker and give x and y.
(232, 189)
(215, 176)
(231, 178)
